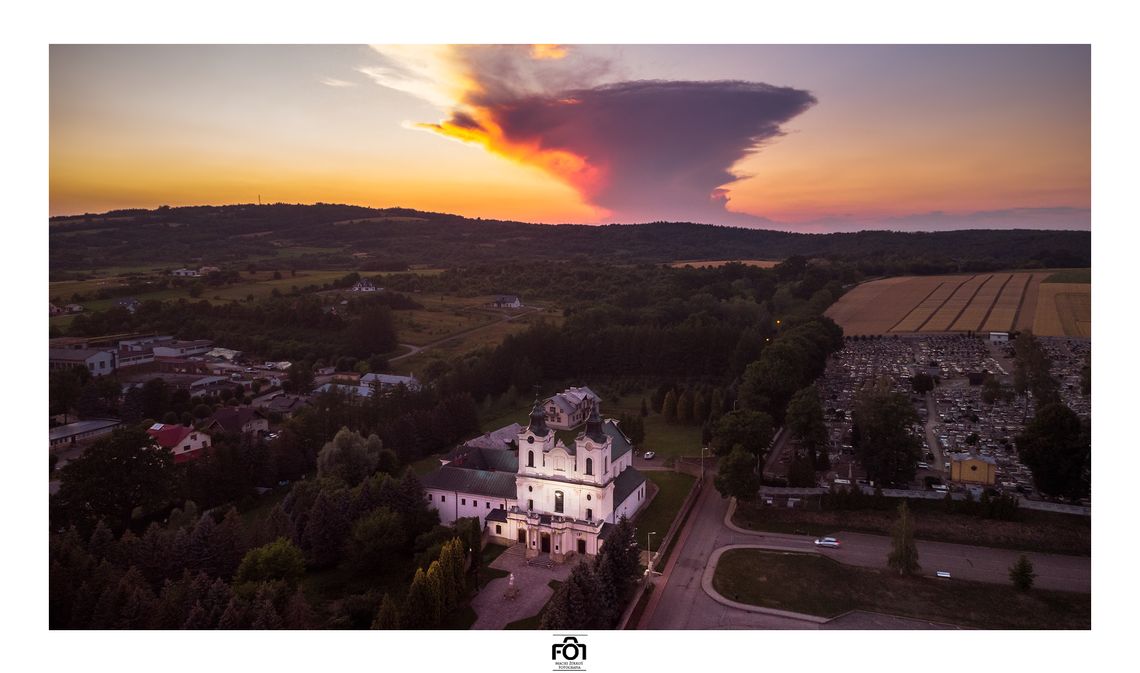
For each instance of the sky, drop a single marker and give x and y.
(800, 138)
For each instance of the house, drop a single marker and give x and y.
(365, 285)
(227, 354)
(570, 408)
(999, 337)
(129, 303)
(554, 499)
(97, 361)
(284, 405)
(389, 381)
(80, 431)
(185, 273)
(974, 470)
(74, 308)
(54, 310)
(184, 442)
(181, 349)
(506, 301)
(239, 421)
(207, 270)
(345, 389)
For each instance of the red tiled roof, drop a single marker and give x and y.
(168, 436)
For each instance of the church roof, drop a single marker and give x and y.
(499, 515)
(476, 482)
(621, 444)
(626, 483)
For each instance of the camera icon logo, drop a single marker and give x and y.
(569, 649)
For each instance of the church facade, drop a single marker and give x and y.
(527, 486)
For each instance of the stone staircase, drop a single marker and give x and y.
(541, 561)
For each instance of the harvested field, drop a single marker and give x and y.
(946, 314)
(927, 307)
(1001, 301)
(975, 313)
(1005, 308)
(1064, 309)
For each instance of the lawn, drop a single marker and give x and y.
(659, 515)
(665, 439)
(1035, 531)
(1071, 276)
(815, 585)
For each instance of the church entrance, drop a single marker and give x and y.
(545, 543)
(522, 535)
(581, 546)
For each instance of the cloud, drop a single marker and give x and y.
(641, 150)
(1056, 218)
(333, 82)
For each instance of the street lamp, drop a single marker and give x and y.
(649, 551)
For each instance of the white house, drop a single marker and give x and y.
(365, 285)
(570, 408)
(98, 362)
(185, 273)
(555, 499)
(507, 301)
(184, 442)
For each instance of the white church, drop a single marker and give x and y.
(528, 487)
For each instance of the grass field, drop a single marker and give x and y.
(659, 515)
(1003, 301)
(1036, 531)
(815, 585)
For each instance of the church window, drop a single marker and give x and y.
(589, 466)
(559, 500)
(530, 504)
(589, 514)
(589, 497)
(606, 464)
(530, 458)
(498, 529)
(443, 498)
(463, 501)
(429, 496)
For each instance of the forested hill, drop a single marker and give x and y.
(353, 237)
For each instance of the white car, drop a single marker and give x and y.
(827, 542)
(649, 455)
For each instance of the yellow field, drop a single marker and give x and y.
(704, 263)
(1064, 309)
(969, 302)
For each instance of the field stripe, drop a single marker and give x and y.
(1004, 311)
(980, 305)
(1027, 307)
(916, 307)
(930, 317)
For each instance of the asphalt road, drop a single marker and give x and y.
(683, 604)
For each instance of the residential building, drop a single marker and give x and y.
(186, 443)
(535, 490)
(365, 285)
(388, 381)
(129, 303)
(185, 273)
(181, 349)
(239, 421)
(97, 361)
(507, 301)
(80, 432)
(284, 405)
(570, 408)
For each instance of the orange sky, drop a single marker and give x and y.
(894, 130)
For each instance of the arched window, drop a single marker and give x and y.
(589, 466)
(530, 458)
(559, 500)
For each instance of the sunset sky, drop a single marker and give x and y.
(805, 138)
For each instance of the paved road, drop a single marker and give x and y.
(682, 604)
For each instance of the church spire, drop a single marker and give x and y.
(594, 426)
(538, 419)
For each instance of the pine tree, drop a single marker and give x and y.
(669, 407)
(1021, 573)
(298, 614)
(417, 611)
(685, 407)
(388, 617)
(904, 552)
(436, 592)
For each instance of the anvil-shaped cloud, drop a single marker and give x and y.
(640, 150)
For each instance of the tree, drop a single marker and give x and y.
(1056, 447)
(388, 617)
(904, 552)
(882, 436)
(669, 407)
(326, 528)
(749, 430)
(278, 560)
(64, 389)
(418, 612)
(373, 333)
(685, 407)
(349, 457)
(922, 383)
(1021, 573)
(119, 473)
(375, 539)
(736, 476)
(804, 419)
(644, 408)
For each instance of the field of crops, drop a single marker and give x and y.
(999, 301)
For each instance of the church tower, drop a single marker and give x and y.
(534, 441)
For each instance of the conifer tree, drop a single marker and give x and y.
(388, 617)
(904, 552)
